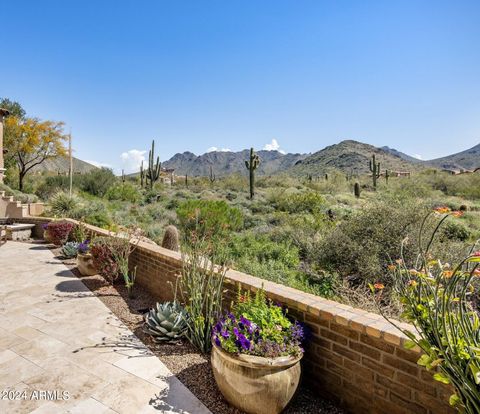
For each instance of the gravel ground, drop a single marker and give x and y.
(191, 367)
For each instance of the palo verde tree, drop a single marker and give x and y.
(30, 142)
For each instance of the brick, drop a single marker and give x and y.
(401, 365)
(322, 342)
(377, 343)
(415, 383)
(346, 352)
(365, 350)
(401, 389)
(344, 330)
(407, 355)
(333, 336)
(377, 366)
(365, 373)
(407, 403)
(314, 319)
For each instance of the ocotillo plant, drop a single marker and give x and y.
(252, 165)
(212, 175)
(387, 176)
(153, 171)
(375, 169)
(356, 190)
(142, 175)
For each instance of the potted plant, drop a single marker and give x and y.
(256, 355)
(85, 263)
(57, 232)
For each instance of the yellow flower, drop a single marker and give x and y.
(412, 283)
(391, 267)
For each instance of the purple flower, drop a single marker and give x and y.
(45, 226)
(217, 341)
(83, 247)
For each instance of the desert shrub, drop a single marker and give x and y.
(52, 184)
(93, 212)
(362, 246)
(209, 217)
(124, 192)
(104, 259)
(62, 205)
(97, 181)
(455, 231)
(306, 202)
(19, 196)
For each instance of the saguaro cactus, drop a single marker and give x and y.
(186, 180)
(387, 175)
(212, 175)
(153, 171)
(375, 169)
(356, 190)
(252, 165)
(142, 175)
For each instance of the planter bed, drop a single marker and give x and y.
(191, 367)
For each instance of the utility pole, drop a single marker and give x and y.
(71, 161)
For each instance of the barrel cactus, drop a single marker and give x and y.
(166, 322)
(70, 249)
(170, 239)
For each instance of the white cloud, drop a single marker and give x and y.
(417, 156)
(132, 159)
(273, 146)
(212, 149)
(98, 164)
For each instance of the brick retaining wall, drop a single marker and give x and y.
(353, 357)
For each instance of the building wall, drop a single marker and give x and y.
(353, 357)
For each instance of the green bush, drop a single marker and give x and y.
(364, 245)
(212, 218)
(306, 202)
(455, 231)
(124, 192)
(97, 182)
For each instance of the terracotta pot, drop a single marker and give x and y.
(85, 264)
(254, 384)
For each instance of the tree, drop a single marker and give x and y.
(13, 107)
(30, 142)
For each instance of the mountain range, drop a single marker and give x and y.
(62, 165)
(348, 156)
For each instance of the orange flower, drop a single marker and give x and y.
(391, 267)
(457, 213)
(448, 274)
(442, 210)
(379, 286)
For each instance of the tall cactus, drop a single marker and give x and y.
(186, 180)
(153, 171)
(356, 190)
(212, 175)
(375, 170)
(142, 175)
(252, 165)
(387, 176)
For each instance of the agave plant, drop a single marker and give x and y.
(70, 249)
(166, 322)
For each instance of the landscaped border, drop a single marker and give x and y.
(354, 357)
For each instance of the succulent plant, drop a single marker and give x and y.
(166, 322)
(170, 239)
(70, 249)
(251, 166)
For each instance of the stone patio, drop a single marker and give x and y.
(63, 351)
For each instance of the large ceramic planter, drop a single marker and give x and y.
(254, 384)
(85, 264)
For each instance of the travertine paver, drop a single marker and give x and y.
(63, 351)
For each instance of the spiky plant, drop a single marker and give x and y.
(252, 165)
(153, 170)
(375, 170)
(166, 322)
(170, 239)
(70, 249)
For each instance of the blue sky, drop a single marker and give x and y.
(234, 74)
